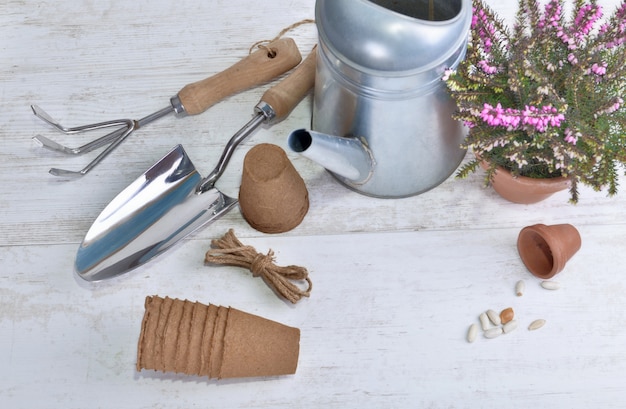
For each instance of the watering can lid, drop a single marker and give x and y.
(394, 36)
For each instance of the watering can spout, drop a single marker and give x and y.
(347, 157)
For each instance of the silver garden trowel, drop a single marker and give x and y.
(171, 200)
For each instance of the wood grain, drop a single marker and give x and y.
(396, 282)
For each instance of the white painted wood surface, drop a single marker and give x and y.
(396, 282)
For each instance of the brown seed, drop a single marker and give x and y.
(506, 315)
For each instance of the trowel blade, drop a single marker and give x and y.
(149, 216)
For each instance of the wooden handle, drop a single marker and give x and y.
(255, 69)
(284, 96)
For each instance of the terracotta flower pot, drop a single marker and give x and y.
(546, 249)
(524, 190)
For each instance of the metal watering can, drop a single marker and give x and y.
(382, 118)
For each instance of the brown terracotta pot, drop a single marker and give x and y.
(546, 249)
(524, 190)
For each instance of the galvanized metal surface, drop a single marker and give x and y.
(381, 83)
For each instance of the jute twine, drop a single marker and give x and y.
(263, 43)
(230, 251)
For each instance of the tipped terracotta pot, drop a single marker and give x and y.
(546, 249)
(273, 197)
(522, 189)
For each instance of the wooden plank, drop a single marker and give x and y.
(396, 282)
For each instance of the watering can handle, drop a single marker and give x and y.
(257, 68)
(284, 96)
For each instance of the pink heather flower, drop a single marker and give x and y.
(446, 74)
(616, 43)
(531, 117)
(572, 59)
(599, 69)
(570, 137)
(617, 32)
(551, 18)
(486, 68)
(621, 12)
(486, 30)
(604, 28)
(497, 116)
(586, 18)
(617, 103)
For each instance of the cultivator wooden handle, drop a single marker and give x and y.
(284, 96)
(257, 68)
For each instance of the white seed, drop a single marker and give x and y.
(509, 326)
(536, 324)
(494, 317)
(493, 332)
(550, 285)
(484, 321)
(520, 287)
(472, 332)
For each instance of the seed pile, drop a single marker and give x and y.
(494, 324)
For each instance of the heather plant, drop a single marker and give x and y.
(546, 98)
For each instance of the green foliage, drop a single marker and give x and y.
(546, 98)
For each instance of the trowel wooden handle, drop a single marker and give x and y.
(284, 96)
(257, 68)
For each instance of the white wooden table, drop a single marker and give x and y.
(396, 282)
